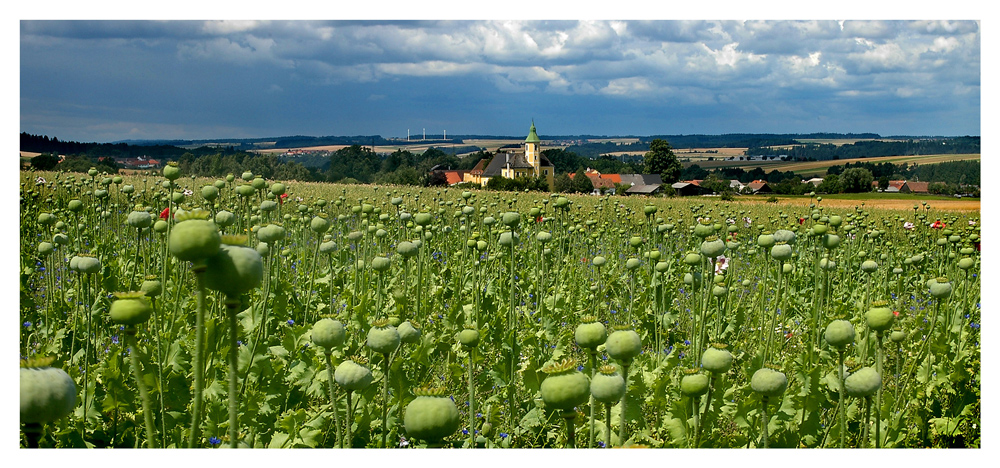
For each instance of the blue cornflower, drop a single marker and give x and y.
(503, 435)
(687, 342)
(214, 440)
(114, 339)
(27, 324)
(291, 322)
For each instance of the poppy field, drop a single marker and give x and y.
(164, 311)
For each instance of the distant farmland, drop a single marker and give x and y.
(814, 168)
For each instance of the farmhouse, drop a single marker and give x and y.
(759, 186)
(688, 188)
(643, 184)
(602, 182)
(524, 162)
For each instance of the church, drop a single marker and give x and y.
(527, 161)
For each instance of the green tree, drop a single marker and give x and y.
(44, 162)
(883, 183)
(582, 183)
(661, 160)
(856, 180)
(562, 183)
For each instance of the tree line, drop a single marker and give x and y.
(873, 149)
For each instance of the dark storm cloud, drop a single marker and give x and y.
(107, 80)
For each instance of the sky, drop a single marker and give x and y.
(100, 80)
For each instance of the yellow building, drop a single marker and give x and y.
(523, 162)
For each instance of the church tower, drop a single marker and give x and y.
(531, 150)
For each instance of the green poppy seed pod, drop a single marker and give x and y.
(694, 385)
(258, 184)
(407, 249)
(692, 259)
(786, 268)
(352, 376)
(784, 235)
(152, 287)
(966, 250)
(623, 345)
(880, 318)
(635, 241)
(234, 270)
(130, 310)
(47, 394)
(481, 245)
(654, 255)
(328, 247)
(869, 266)
(599, 261)
(367, 208)
(271, 234)
(263, 249)
(171, 171)
(160, 226)
(46, 219)
(781, 252)
(319, 224)
(692, 279)
(209, 192)
(544, 237)
(277, 188)
(863, 383)
(87, 265)
(836, 221)
(820, 229)
(713, 247)
(489, 221)
(703, 230)
(422, 219)
(268, 206)
(940, 288)
(244, 190)
(765, 240)
(45, 248)
(662, 267)
(632, 263)
(565, 390)
(897, 336)
(746, 283)
(719, 290)
(128, 189)
(509, 239)
(830, 241)
(590, 335)
(139, 219)
(328, 333)
(839, 333)
(649, 210)
(511, 219)
(74, 205)
(717, 360)
(768, 382)
(381, 264)
(469, 337)
(966, 263)
(383, 340)
(827, 264)
(468, 210)
(194, 239)
(607, 387)
(431, 418)
(224, 218)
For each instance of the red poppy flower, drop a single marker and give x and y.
(539, 219)
(281, 199)
(788, 335)
(937, 224)
(802, 220)
(165, 213)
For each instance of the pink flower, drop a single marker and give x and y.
(721, 264)
(908, 225)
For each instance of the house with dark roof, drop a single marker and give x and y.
(642, 184)
(759, 186)
(687, 188)
(527, 161)
(603, 183)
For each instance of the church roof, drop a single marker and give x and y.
(532, 136)
(516, 160)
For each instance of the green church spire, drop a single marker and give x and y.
(532, 136)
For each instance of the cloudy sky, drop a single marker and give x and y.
(100, 80)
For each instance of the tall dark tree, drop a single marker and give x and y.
(661, 160)
(582, 183)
